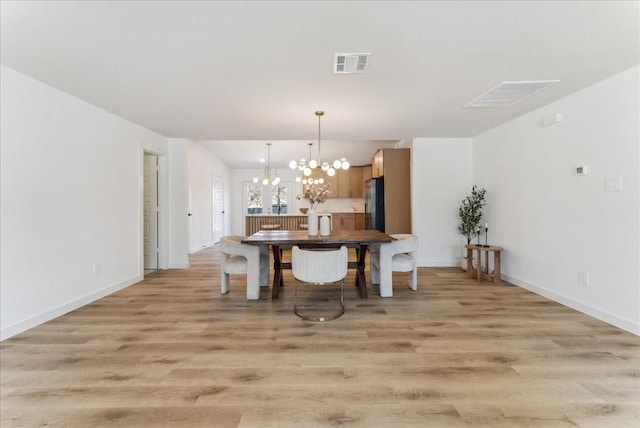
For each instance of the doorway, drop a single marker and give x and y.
(151, 213)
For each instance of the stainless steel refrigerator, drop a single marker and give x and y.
(374, 204)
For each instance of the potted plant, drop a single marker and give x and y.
(470, 213)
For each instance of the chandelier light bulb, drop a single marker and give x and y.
(255, 179)
(265, 181)
(276, 181)
(314, 171)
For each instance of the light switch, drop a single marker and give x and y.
(613, 184)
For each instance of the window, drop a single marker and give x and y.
(254, 198)
(279, 198)
(257, 202)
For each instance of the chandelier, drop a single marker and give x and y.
(308, 175)
(311, 166)
(267, 171)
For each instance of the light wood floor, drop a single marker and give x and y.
(172, 351)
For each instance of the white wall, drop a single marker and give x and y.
(71, 190)
(553, 223)
(178, 209)
(202, 166)
(440, 179)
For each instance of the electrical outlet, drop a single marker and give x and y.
(583, 277)
(97, 269)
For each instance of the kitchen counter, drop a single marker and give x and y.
(347, 220)
(256, 222)
(298, 214)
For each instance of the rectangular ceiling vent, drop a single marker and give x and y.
(348, 63)
(509, 93)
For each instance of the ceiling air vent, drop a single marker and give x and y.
(509, 93)
(347, 63)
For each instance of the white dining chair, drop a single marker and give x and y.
(238, 258)
(319, 267)
(393, 256)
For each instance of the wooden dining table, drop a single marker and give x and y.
(361, 240)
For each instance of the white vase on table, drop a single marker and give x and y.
(312, 222)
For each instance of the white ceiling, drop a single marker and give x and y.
(251, 72)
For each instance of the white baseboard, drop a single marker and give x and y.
(438, 263)
(201, 247)
(614, 320)
(184, 265)
(12, 330)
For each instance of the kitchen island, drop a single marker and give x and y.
(256, 222)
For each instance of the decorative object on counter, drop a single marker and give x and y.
(325, 226)
(486, 234)
(268, 179)
(315, 194)
(304, 210)
(269, 226)
(310, 168)
(312, 222)
(470, 213)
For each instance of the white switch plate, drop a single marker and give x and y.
(613, 184)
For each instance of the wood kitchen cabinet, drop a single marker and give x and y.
(343, 221)
(394, 165)
(377, 169)
(347, 221)
(344, 182)
(356, 189)
(359, 221)
(366, 173)
(333, 182)
(347, 183)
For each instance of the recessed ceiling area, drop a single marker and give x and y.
(220, 71)
(247, 154)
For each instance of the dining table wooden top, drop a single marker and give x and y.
(337, 237)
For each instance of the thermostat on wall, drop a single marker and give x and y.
(581, 170)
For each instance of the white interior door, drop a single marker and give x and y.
(200, 212)
(151, 211)
(218, 208)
